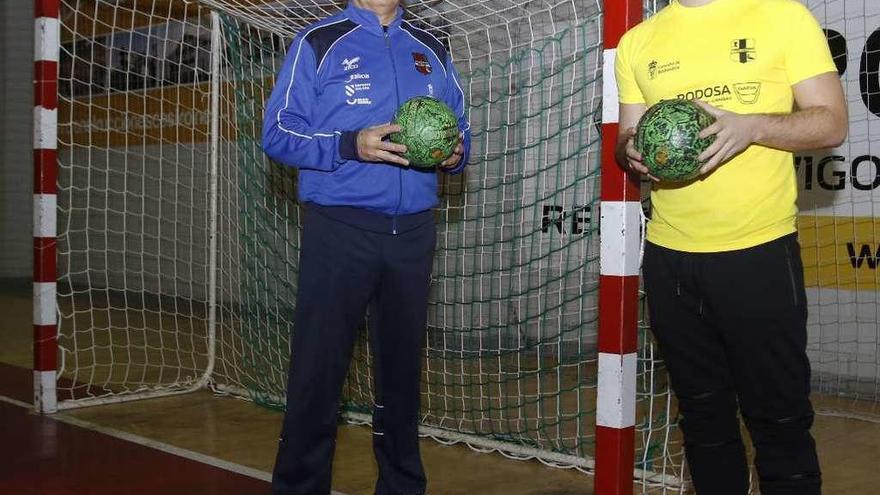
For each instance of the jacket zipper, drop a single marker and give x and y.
(397, 93)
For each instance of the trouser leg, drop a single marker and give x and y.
(339, 268)
(397, 334)
(693, 352)
(760, 299)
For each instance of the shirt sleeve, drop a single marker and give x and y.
(628, 91)
(807, 54)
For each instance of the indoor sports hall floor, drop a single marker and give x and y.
(199, 444)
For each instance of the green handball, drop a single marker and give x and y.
(428, 129)
(668, 137)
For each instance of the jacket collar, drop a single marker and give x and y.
(369, 20)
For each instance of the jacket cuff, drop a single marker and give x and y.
(348, 145)
(457, 169)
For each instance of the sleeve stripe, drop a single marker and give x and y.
(463, 101)
(290, 86)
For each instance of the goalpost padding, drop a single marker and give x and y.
(46, 44)
(620, 235)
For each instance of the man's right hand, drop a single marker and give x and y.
(631, 159)
(372, 147)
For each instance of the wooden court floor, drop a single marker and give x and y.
(201, 444)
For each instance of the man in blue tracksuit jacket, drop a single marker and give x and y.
(368, 235)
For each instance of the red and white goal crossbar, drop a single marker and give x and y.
(620, 238)
(46, 49)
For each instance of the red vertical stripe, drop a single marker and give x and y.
(46, 84)
(46, 8)
(45, 171)
(618, 314)
(45, 348)
(616, 185)
(620, 15)
(615, 447)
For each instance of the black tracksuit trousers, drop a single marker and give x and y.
(731, 327)
(349, 261)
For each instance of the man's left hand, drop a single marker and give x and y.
(733, 134)
(455, 157)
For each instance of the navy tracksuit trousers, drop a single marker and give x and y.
(732, 331)
(351, 261)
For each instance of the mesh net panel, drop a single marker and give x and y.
(839, 230)
(133, 262)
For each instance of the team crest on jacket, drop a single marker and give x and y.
(422, 64)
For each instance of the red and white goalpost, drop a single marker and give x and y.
(620, 238)
(166, 244)
(46, 45)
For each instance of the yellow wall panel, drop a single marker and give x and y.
(840, 252)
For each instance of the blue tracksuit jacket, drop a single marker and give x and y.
(346, 73)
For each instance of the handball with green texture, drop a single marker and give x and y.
(428, 129)
(668, 137)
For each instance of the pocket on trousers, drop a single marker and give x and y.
(796, 272)
(789, 262)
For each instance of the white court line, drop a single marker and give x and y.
(153, 444)
(14, 402)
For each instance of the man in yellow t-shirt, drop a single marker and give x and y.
(722, 265)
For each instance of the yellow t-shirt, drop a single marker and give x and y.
(743, 56)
